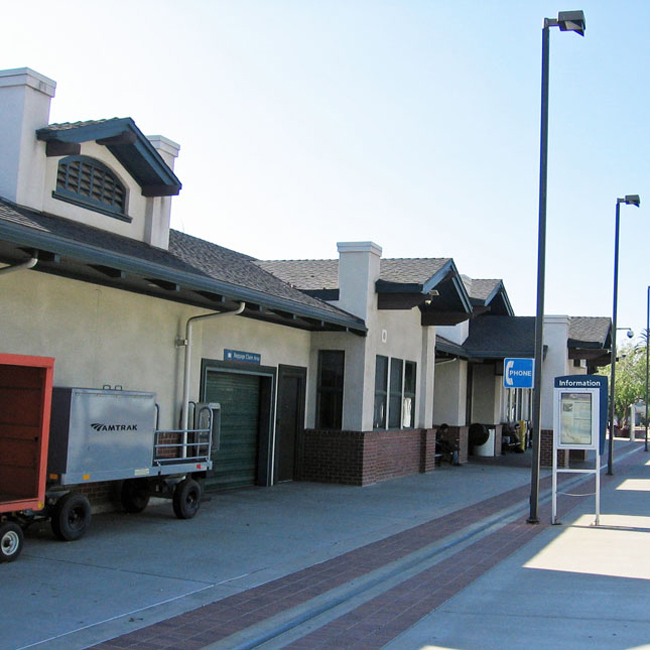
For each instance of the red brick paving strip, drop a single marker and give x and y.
(379, 620)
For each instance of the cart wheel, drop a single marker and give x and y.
(135, 494)
(187, 498)
(71, 517)
(11, 541)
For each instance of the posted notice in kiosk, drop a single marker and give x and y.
(576, 424)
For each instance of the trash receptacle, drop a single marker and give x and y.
(487, 449)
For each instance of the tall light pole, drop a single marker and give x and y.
(647, 364)
(572, 21)
(630, 199)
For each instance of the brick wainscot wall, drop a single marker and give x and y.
(364, 457)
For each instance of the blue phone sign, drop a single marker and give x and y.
(518, 373)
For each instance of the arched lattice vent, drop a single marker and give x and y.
(88, 182)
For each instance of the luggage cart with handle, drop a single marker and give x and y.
(95, 436)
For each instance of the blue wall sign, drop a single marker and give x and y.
(518, 373)
(242, 357)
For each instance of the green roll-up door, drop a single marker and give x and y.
(235, 464)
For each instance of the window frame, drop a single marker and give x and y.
(327, 419)
(391, 389)
(380, 409)
(395, 393)
(408, 393)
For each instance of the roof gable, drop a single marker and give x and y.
(433, 284)
(125, 141)
(488, 295)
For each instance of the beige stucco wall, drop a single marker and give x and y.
(394, 334)
(486, 395)
(450, 394)
(399, 335)
(556, 363)
(355, 391)
(24, 107)
(103, 336)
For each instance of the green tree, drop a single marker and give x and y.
(630, 377)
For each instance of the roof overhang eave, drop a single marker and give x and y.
(30, 238)
(420, 294)
(484, 355)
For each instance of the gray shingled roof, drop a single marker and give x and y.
(589, 332)
(308, 275)
(498, 337)
(411, 270)
(67, 126)
(514, 336)
(312, 275)
(195, 264)
(449, 347)
(480, 289)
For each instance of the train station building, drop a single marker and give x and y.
(335, 370)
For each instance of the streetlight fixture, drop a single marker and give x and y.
(630, 199)
(567, 21)
(629, 331)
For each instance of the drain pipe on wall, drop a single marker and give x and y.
(29, 264)
(444, 362)
(187, 343)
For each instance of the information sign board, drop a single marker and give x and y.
(579, 422)
(580, 412)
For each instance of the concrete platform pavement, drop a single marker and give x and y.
(573, 586)
(293, 566)
(130, 571)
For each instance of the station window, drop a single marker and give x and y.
(381, 392)
(329, 406)
(394, 393)
(89, 183)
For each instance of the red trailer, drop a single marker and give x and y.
(25, 402)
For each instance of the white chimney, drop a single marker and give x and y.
(159, 208)
(556, 361)
(358, 272)
(25, 97)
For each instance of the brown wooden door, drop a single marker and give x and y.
(290, 419)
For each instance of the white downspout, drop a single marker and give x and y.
(188, 345)
(29, 264)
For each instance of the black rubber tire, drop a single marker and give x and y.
(71, 517)
(135, 494)
(187, 498)
(11, 541)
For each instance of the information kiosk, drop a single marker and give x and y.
(579, 422)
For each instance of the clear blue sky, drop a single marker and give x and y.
(411, 123)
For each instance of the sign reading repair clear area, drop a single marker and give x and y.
(518, 373)
(242, 357)
(579, 423)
